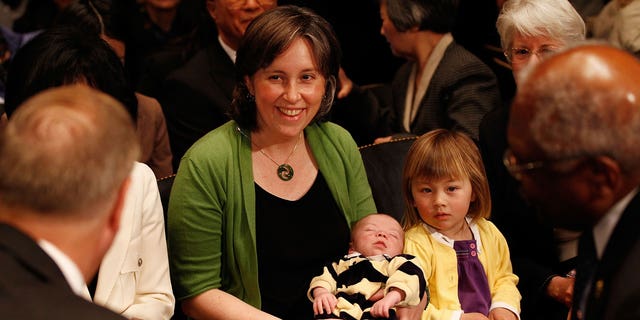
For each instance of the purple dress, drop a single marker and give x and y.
(473, 287)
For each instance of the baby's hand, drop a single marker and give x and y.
(377, 296)
(502, 314)
(380, 309)
(323, 300)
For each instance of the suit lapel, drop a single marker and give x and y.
(29, 253)
(221, 68)
(114, 259)
(624, 236)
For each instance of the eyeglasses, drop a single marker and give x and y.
(517, 170)
(237, 4)
(518, 55)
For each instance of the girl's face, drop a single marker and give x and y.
(443, 203)
(288, 92)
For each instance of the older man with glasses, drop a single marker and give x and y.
(573, 138)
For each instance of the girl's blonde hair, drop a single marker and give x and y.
(443, 153)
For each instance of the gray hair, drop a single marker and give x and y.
(434, 15)
(556, 19)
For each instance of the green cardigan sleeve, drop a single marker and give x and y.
(341, 164)
(211, 219)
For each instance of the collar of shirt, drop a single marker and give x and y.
(448, 241)
(69, 269)
(413, 98)
(603, 229)
(230, 52)
(378, 257)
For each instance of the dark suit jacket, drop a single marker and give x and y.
(615, 289)
(33, 287)
(535, 262)
(462, 90)
(196, 98)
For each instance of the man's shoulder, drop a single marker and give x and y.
(37, 288)
(197, 64)
(210, 56)
(49, 302)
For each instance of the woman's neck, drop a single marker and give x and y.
(425, 43)
(274, 143)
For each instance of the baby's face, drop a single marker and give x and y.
(378, 234)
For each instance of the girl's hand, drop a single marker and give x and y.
(502, 314)
(412, 313)
(473, 316)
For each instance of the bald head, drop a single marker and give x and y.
(573, 132)
(582, 102)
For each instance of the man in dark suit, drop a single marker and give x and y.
(197, 96)
(573, 138)
(66, 157)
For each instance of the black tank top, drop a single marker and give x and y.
(294, 240)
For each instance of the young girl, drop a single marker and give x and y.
(464, 257)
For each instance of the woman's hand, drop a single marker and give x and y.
(344, 84)
(218, 304)
(382, 139)
(412, 313)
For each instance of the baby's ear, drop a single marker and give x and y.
(351, 248)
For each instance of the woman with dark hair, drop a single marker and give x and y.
(442, 85)
(65, 56)
(241, 243)
(103, 18)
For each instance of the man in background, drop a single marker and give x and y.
(573, 138)
(65, 158)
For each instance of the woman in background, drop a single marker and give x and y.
(531, 30)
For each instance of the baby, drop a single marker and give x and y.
(373, 278)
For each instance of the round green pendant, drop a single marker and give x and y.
(285, 172)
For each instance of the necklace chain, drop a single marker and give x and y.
(286, 160)
(285, 170)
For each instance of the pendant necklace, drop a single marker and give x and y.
(285, 170)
